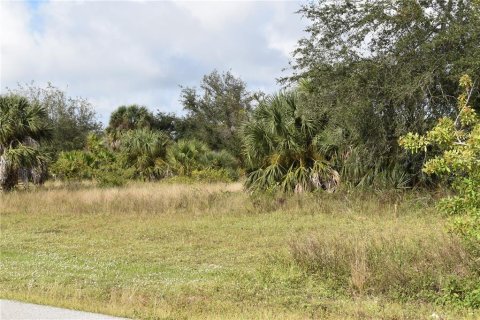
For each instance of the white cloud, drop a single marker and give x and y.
(226, 12)
(140, 52)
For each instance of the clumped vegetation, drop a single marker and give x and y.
(23, 127)
(143, 218)
(70, 119)
(284, 149)
(193, 158)
(381, 69)
(140, 150)
(129, 118)
(366, 74)
(217, 112)
(459, 160)
(96, 162)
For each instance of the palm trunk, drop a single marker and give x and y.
(8, 175)
(39, 174)
(3, 170)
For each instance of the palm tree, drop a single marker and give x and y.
(127, 118)
(22, 127)
(187, 155)
(141, 150)
(283, 147)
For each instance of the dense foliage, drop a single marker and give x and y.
(126, 118)
(193, 158)
(367, 73)
(459, 160)
(283, 147)
(216, 113)
(380, 69)
(96, 162)
(22, 126)
(70, 119)
(140, 151)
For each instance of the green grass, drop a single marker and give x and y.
(173, 251)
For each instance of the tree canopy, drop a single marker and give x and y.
(130, 117)
(383, 68)
(216, 112)
(71, 119)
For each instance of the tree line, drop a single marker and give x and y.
(366, 74)
(136, 144)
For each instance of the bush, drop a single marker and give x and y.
(194, 159)
(73, 165)
(110, 177)
(185, 156)
(283, 149)
(212, 175)
(140, 151)
(459, 162)
(96, 163)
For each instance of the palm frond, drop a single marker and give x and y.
(279, 142)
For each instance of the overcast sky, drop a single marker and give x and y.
(120, 52)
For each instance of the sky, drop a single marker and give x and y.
(123, 52)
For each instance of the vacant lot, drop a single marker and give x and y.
(213, 251)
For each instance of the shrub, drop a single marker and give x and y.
(185, 156)
(140, 151)
(212, 175)
(459, 161)
(111, 176)
(96, 163)
(73, 165)
(193, 158)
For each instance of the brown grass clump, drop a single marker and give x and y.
(396, 261)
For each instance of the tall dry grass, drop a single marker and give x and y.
(136, 198)
(196, 198)
(396, 261)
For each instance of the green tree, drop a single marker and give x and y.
(283, 147)
(71, 119)
(383, 68)
(169, 123)
(458, 140)
(216, 113)
(22, 127)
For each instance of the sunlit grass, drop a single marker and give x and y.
(210, 251)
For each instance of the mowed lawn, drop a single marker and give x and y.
(211, 251)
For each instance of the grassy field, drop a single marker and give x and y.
(211, 251)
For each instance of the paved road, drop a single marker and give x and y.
(14, 310)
